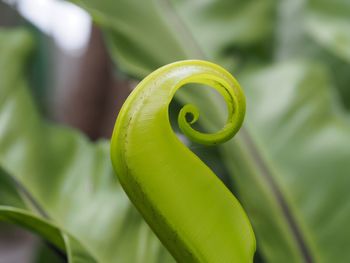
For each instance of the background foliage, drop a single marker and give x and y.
(288, 165)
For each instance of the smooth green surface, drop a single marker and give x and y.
(68, 179)
(289, 163)
(192, 212)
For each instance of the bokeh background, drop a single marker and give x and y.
(74, 63)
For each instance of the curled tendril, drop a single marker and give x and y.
(187, 206)
(235, 102)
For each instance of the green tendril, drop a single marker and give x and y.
(187, 206)
(235, 101)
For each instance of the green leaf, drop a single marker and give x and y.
(68, 178)
(76, 253)
(328, 23)
(290, 162)
(17, 207)
(318, 30)
(144, 36)
(299, 163)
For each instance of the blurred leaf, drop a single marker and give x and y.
(317, 30)
(228, 32)
(145, 35)
(18, 207)
(69, 179)
(328, 22)
(9, 195)
(290, 162)
(46, 253)
(76, 253)
(293, 168)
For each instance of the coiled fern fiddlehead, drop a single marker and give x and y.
(187, 206)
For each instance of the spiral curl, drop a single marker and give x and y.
(191, 211)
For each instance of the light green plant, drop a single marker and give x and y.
(189, 208)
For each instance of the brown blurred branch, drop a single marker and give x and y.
(92, 94)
